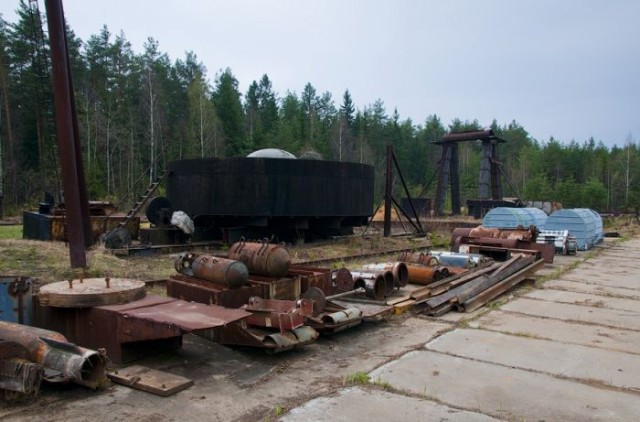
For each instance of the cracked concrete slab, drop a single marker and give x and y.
(366, 405)
(586, 314)
(581, 287)
(560, 331)
(504, 392)
(610, 368)
(585, 299)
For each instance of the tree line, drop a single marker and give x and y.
(137, 111)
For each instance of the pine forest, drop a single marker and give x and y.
(137, 111)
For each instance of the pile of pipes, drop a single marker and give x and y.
(472, 289)
(430, 267)
(500, 243)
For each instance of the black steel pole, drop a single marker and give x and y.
(69, 162)
(388, 186)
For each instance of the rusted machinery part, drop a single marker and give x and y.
(90, 292)
(52, 350)
(184, 263)
(261, 258)
(389, 282)
(519, 233)
(343, 280)
(398, 270)
(220, 270)
(375, 285)
(342, 317)
(316, 295)
(298, 337)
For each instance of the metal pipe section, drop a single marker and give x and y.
(374, 285)
(52, 350)
(233, 274)
(398, 269)
(421, 258)
(419, 274)
(261, 258)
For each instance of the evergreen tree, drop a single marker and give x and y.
(226, 99)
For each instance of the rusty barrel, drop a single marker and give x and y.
(398, 270)
(261, 258)
(52, 350)
(375, 285)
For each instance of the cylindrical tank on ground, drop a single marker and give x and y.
(229, 272)
(511, 218)
(262, 258)
(583, 223)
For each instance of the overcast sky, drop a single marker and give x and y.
(563, 68)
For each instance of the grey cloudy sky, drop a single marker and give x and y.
(562, 68)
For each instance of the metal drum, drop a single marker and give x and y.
(262, 258)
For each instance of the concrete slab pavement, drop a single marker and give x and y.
(365, 405)
(560, 331)
(569, 350)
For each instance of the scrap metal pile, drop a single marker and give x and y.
(253, 296)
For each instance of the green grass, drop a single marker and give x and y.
(357, 378)
(11, 232)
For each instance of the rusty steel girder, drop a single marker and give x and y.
(261, 258)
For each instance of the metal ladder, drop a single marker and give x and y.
(153, 186)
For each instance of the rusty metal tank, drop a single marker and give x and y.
(231, 273)
(261, 258)
(270, 195)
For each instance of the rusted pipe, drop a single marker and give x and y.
(52, 350)
(261, 258)
(420, 274)
(398, 269)
(419, 258)
(233, 274)
(374, 284)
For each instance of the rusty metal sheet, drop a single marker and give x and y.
(150, 380)
(193, 289)
(369, 311)
(187, 316)
(313, 277)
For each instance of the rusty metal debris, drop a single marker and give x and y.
(212, 268)
(16, 304)
(63, 361)
(481, 286)
(261, 258)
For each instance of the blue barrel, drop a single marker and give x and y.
(16, 304)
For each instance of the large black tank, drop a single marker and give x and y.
(272, 193)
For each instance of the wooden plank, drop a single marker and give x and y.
(402, 307)
(150, 380)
